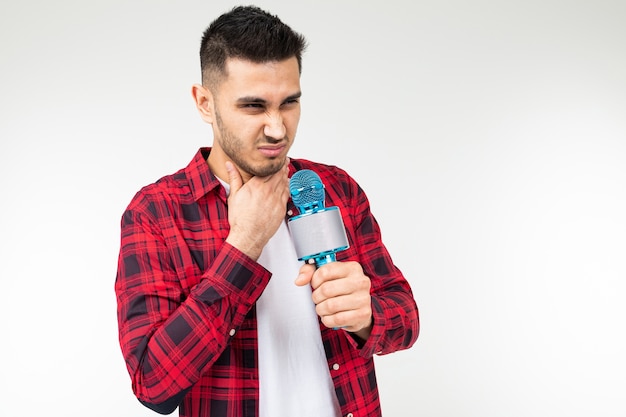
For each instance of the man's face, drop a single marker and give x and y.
(256, 115)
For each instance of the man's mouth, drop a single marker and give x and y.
(272, 151)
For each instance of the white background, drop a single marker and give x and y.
(489, 135)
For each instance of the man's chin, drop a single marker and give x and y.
(268, 169)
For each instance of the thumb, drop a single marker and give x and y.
(305, 275)
(234, 177)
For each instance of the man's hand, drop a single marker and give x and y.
(256, 209)
(341, 293)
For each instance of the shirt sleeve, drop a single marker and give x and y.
(169, 337)
(394, 310)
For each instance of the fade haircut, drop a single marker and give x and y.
(248, 33)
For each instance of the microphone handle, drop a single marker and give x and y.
(323, 259)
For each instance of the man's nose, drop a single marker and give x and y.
(275, 126)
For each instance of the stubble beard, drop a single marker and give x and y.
(233, 147)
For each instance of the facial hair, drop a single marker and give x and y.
(234, 148)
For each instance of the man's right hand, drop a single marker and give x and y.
(256, 208)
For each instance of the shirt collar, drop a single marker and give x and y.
(201, 180)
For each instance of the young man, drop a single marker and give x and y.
(216, 315)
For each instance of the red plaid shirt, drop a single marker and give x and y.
(186, 299)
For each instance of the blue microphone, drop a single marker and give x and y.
(318, 232)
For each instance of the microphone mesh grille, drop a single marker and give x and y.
(306, 188)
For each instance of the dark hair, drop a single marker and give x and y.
(249, 33)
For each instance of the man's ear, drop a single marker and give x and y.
(204, 102)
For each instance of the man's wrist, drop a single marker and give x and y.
(248, 248)
(365, 332)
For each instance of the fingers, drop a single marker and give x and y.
(255, 209)
(234, 177)
(350, 312)
(305, 275)
(338, 270)
(343, 303)
(341, 293)
(328, 284)
(349, 320)
(277, 183)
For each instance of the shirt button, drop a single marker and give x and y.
(336, 367)
(289, 212)
(232, 332)
(349, 415)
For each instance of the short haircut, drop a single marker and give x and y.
(248, 33)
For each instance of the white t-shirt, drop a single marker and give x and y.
(293, 371)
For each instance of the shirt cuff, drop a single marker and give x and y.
(232, 272)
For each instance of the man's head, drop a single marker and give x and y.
(247, 33)
(250, 92)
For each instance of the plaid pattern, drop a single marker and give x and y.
(187, 324)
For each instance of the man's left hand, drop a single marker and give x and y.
(341, 293)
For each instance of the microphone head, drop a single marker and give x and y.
(307, 191)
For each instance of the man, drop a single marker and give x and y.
(216, 315)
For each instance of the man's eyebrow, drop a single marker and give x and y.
(251, 99)
(259, 100)
(294, 96)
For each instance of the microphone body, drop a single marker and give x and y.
(318, 232)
